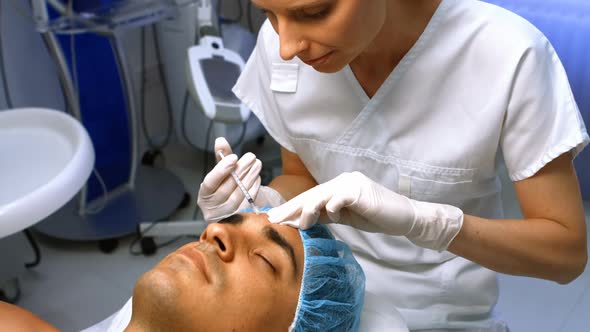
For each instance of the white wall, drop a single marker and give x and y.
(32, 76)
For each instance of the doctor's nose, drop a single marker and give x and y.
(291, 49)
(220, 237)
(291, 44)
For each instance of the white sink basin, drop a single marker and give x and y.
(46, 156)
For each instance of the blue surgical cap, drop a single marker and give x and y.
(332, 287)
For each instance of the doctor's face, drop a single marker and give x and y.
(244, 274)
(325, 34)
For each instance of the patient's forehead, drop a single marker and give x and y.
(251, 216)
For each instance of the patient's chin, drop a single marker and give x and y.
(156, 292)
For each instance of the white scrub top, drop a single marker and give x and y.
(481, 85)
(116, 322)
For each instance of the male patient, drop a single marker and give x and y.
(246, 274)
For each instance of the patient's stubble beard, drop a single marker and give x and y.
(160, 295)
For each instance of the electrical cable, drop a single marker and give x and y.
(33, 243)
(152, 145)
(142, 89)
(156, 40)
(104, 194)
(205, 169)
(146, 134)
(158, 246)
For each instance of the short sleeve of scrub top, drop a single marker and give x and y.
(542, 119)
(254, 85)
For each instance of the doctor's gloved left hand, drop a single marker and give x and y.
(355, 200)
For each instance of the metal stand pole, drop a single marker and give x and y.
(70, 94)
(129, 91)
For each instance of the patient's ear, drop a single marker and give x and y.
(14, 318)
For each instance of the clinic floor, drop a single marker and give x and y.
(76, 285)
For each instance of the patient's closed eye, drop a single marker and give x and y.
(267, 262)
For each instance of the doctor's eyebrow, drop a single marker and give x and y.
(298, 7)
(274, 236)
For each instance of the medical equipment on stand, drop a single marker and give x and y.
(216, 53)
(192, 116)
(211, 71)
(242, 187)
(121, 209)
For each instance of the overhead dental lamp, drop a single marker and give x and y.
(212, 70)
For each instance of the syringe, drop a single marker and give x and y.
(242, 187)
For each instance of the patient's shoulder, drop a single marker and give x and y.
(14, 318)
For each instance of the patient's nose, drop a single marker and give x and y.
(219, 236)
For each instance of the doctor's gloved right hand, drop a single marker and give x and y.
(219, 196)
(355, 200)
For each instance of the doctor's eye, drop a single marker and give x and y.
(313, 14)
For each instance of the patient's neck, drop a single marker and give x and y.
(135, 327)
(143, 326)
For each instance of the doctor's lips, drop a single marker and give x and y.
(320, 60)
(197, 257)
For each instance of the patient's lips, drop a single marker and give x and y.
(198, 258)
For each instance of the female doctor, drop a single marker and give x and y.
(393, 117)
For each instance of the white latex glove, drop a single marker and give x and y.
(219, 195)
(368, 206)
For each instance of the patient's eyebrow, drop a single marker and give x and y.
(277, 238)
(235, 219)
(270, 233)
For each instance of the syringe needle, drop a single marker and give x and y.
(242, 187)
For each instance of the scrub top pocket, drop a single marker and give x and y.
(284, 77)
(437, 184)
